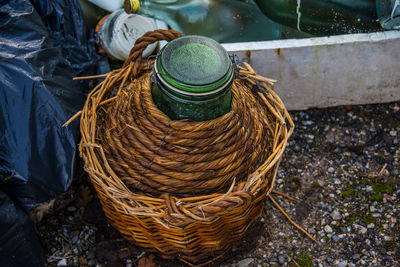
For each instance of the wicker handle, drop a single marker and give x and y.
(148, 38)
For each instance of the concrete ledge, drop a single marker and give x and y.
(329, 71)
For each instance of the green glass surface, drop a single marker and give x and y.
(323, 17)
(178, 109)
(194, 75)
(194, 64)
(202, 60)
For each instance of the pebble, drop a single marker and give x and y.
(372, 208)
(307, 123)
(331, 169)
(281, 260)
(71, 209)
(336, 215)
(356, 257)
(273, 260)
(328, 229)
(62, 262)
(335, 238)
(245, 262)
(360, 228)
(342, 264)
(371, 225)
(337, 181)
(387, 238)
(369, 188)
(312, 231)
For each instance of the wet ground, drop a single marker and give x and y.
(342, 167)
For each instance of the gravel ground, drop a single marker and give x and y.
(342, 167)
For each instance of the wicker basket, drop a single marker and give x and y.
(187, 189)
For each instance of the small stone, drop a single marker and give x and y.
(335, 238)
(371, 225)
(388, 197)
(328, 229)
(62, 262)
(337, 181)
(336, 215)
(387, 238)
(331, 169)
(71, 209)
(281, 260)
(369, 188)
(342, 264)
(360, 228)
(311, 231)
(376, 215)
(273, 260)
(392, 220)
(245, 262)
(393, 133)
(356, 257)
(337, 150)
(307, 123)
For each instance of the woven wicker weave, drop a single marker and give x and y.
(187, 189)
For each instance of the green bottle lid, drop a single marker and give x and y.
(194, 65)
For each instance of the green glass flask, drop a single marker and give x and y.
(225, 21)
(323, 17)
(193, 79)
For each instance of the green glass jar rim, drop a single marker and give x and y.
(161, 78)
(189, 100)
(209, 64)
(194, 88)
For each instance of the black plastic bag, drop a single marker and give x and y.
(43, 46)
(19, 245)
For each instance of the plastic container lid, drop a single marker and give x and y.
(119, 32)
(195, 64)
